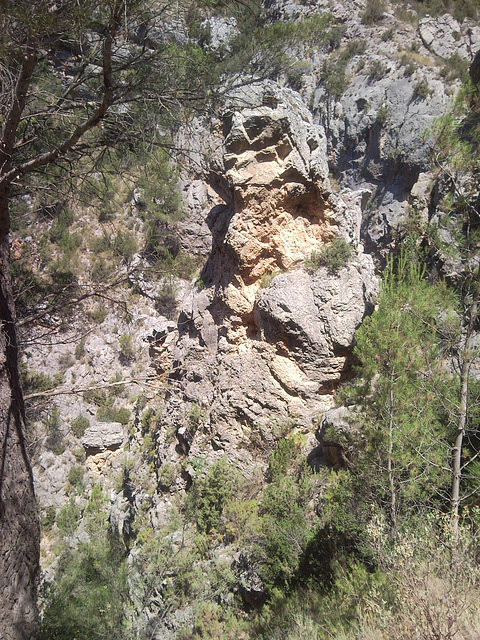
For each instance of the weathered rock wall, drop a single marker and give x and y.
(263, 341)
(402, 75)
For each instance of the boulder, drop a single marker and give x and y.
(102, 436)
(313, 317)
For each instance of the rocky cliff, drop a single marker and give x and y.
(262, 340)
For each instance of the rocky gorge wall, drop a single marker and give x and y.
(261, 340)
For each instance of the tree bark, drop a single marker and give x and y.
(19, 527)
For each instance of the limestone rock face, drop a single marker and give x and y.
(445, 36)
(281, 206)
(263, 342)
(313, 318)
(395, 89)
(275, 161)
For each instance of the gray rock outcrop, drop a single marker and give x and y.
(445, 36)
(264, 342)
(102, 436)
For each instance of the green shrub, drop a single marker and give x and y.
(48, 519)
(147, 420)
(80, 349)
(334, 256)
(62, 275)
(455, 68)
(162, 242)
(241, 519)
(388, 34)
(35, 382)
(99, 314)
(59, 230)
(460, 9)
(377, 70)
(421, 90)
(355, 47)
(68, 518)
(123, 415)
(79, 425)
(125, 245)
(101, 270)
(75, 477)
(101, 244)
(118, 389)
(127, 350)
(184, 266)
(79, 454)
(52, 424)
(410, 69)
(333, 76)
(209, 495)
(96, 396)
(281, 458)
(383, 114)
(158, 186)
(167, 475)
(89, 597)
(373, 12)
(52, 421)
(107, 413)
(58, 379)
(70, 242)
(284, 531)
(334, 36)
(195, 418)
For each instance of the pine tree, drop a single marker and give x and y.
(456, 156)
(398, 348)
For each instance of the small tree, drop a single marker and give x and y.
(456, 155)
(398, 347)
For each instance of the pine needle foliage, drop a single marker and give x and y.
(399, 350)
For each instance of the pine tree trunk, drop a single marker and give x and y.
(457, 449)
(19, 528)
(466, 364)
(391, 467)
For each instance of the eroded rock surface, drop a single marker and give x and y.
(264, 341)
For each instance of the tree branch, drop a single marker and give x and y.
(69, 143)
